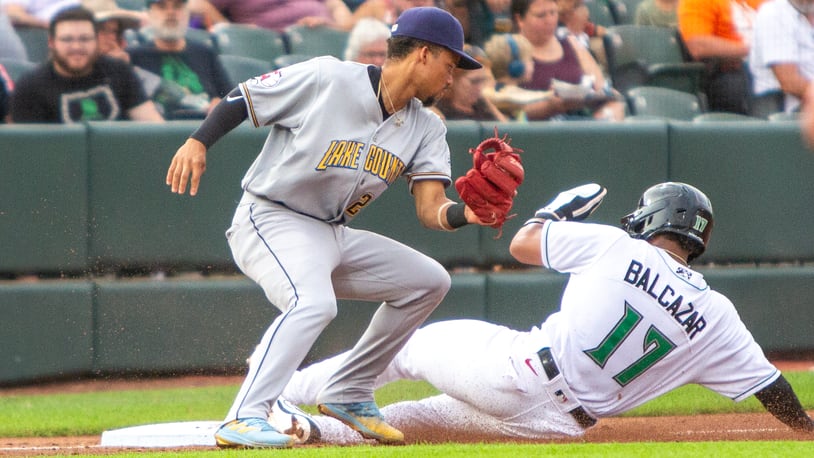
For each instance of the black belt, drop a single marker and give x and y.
(551, 371)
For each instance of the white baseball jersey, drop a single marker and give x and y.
(332, 172)
(635, 324)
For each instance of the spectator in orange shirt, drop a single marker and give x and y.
(719, 33)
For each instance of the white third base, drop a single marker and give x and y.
(179, 434)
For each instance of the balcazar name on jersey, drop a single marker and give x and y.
(665, 295)
(379, 162)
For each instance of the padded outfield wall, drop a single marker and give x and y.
(123, 276)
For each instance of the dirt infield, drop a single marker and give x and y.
(723, 427)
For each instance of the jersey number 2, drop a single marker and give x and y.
(656, 346)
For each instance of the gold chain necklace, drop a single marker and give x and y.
(675, 256)
(398, 121)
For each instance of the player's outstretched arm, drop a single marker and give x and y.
(189, 162)
(436, 211)
(781, 401)
(575, 204)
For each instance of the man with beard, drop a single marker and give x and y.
(340, 133)
(77, 84)
(193, 66)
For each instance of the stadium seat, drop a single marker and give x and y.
(316, 41)
(241, 68)
(145, 35)
(784, 116)
(649, 56)
(289, 59)
(17, 67)
(663, 102)
(134, 5)
(600, 12)
(763, 105)
(247, 41)
(624, 11)
(35, 40)
(722, 116)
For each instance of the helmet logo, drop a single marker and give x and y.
(700, 223)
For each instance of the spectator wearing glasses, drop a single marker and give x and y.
(77, 84)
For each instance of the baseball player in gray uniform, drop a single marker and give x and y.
(340, 134)
(635, 322)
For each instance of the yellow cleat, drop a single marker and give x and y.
(251, 433)
(365, 418)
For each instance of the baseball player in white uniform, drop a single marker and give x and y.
(340, 134)
(635, 322)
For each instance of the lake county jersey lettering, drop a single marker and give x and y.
(685, 314)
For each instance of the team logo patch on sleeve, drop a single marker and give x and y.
(269, 79)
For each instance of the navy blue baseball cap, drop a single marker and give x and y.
(435, 26)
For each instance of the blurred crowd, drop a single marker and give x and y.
(67, 61)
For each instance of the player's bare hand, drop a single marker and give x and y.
(187, 166)
(473, 218)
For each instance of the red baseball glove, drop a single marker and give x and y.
(489, 187)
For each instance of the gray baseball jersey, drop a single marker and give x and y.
(633, 324)
(332, 172)
(329, 154)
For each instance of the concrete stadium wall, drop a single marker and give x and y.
(84, 207)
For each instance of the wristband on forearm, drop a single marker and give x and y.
(456, 215)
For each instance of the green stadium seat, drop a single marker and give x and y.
(16, 67)
(242, 68)
(722, 116)
(35, 40)
(316, 41)
(649, 56)
(289, 59)
(600, 12)
(248, 41)
(669, 104)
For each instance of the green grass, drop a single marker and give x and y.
(695, 399)
(92, 413)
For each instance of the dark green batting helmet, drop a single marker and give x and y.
(676, 208)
